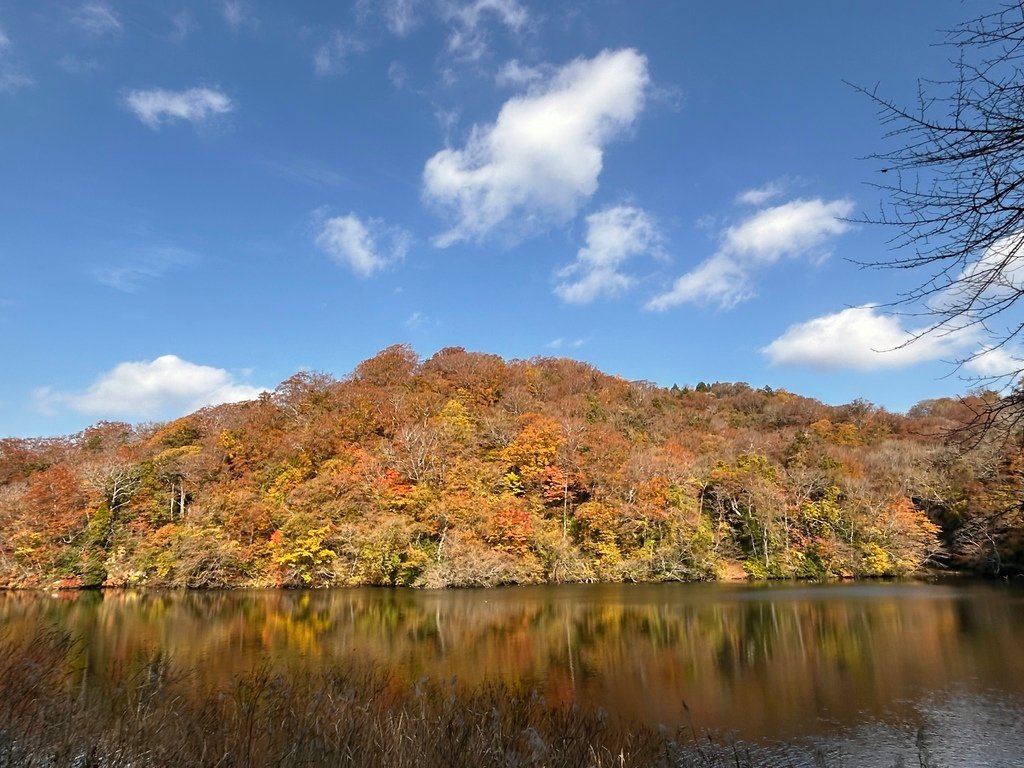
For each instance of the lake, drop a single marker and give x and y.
(860, 669)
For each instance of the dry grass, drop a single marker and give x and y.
(149, 713)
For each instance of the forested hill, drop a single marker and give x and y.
(466, 470)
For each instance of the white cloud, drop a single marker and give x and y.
(73, 65)
(720, 278)
(797, 228)
(143, 268)
(195, 105)
(11, 80)
(398, 74)
(307, 170)
(614, 235)
(234, 13)
(332, 56)
(468, 38)
(400, 16)
(515, 74)
(562, 343)
(359, 245)
(97, 18)
(760, 195)
(183, 23)
(788, 229)
(860, 338)
(541, 158)
(149, 389)
(995, 362)
(997, 275)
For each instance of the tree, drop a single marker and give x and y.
(955, 183)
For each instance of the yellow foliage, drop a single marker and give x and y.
(455, 421)
(290, 479)
(535, 448)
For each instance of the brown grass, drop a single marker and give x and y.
(149, 713)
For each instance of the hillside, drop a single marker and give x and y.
(468, 470)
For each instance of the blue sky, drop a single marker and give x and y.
(200, 198)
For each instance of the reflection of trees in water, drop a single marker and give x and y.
(780, 658)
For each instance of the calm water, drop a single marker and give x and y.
(852, 668)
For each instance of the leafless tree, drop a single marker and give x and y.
(954, 179)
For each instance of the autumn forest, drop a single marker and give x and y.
(467, 470)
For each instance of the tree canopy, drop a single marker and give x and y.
(469, 470)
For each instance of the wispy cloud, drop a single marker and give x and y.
(166, 386)
(332, 57)
(797, 228)
(144, 268)
(398, 74)
(74, 65)
(515, 74)
(541, 159)
(758, 196)
(365, 246)
(11, 78)
(182, 25)
(400, 16)
(97, 18)
(195, 105)
(308, 170)
(561, 343)
(614, 235)
(468, 38)
(236, 14)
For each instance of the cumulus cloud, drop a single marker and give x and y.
(861, 338)
(5, 41)
(97, 18)
(614, 235)
(363, 246)
(991, 362)
(797, 228)
(997, 275)
(195, 105)
(332, 57)
(165, 386)
(541, 158)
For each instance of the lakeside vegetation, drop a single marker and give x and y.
(151, 712)
(468, 470)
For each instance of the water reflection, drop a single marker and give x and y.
(781, 662)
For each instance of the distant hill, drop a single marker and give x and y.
(469, 470)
